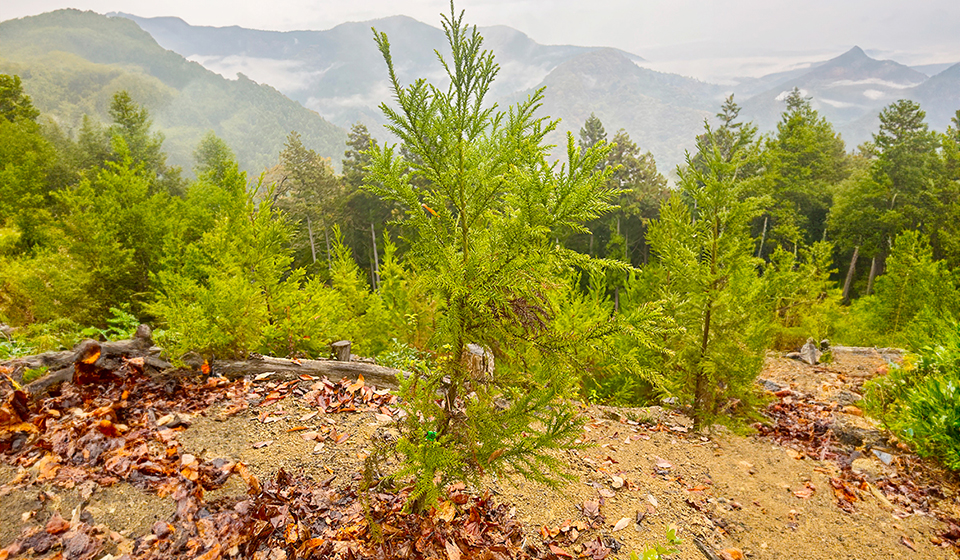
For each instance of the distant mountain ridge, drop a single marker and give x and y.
(339, 72)
(72, 63)
(851, 89)
(339, 75)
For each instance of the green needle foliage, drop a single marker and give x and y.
(712, 289)
(483, 204)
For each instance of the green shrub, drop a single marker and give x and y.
(916, 298)
(49, 286)
(919, 400)
(806, 302)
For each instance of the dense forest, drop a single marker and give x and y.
(593, 278)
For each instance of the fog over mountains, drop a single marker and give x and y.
(340, 75)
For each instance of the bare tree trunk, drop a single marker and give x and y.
(850, 273)
(326, 237)
(616, 299)
(763, 237)
(626, 247)
(591, 244)
(376, 258)
(873, 274)
(313, 248)
(700, 391)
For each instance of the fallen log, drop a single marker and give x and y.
(867, 350)
(141, 345)
(332, 369)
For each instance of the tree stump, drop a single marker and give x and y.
(341, 350)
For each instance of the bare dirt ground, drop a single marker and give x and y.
(642, 473)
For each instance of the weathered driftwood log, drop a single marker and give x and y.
(95, 356)
(341, 350)
(333, 369)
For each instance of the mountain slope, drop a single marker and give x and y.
(73, 62)
(844, 90)
(339, 72)
(663, 113)
(939, 97)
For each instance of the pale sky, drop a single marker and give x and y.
(703, 38)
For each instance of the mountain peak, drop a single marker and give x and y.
(856, 53)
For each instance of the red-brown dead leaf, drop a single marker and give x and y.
(57, 524)
(252, 483)
(556, 550)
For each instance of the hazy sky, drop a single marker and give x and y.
(705, 38)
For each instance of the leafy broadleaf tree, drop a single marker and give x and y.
(711, 286)
(481, 226)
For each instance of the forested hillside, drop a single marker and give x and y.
(72, 63)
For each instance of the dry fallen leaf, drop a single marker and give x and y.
(453, 551)
(731, 554)
(261, 444)
(622, 524)
(447, 511)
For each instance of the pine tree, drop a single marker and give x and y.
(309, 192)
(703, 244)
(132, 122)
(592, 132)
(804, 159)
(481, 226)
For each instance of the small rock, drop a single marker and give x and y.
(810, 354)
(846, 398)
(884, 457)
(769, 385)
(855, 431)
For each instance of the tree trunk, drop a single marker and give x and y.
(341, 350)
(376, 258)
(763, 237)
(700, 391)
(873, 274)
(850, 273)
(313, 248)
(591, 244)
(326, 237)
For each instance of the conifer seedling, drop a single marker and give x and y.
(482, 202)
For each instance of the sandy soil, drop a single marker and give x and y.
(730, 491)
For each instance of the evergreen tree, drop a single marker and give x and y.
(804, 159)
(366, 216)
(734, 139)
(357, 156)
(481, 242)
(15, 105)
(132, 122)
(310, 193)
(592, 132)
(703, 245)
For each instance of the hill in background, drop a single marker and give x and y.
(72, 63)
